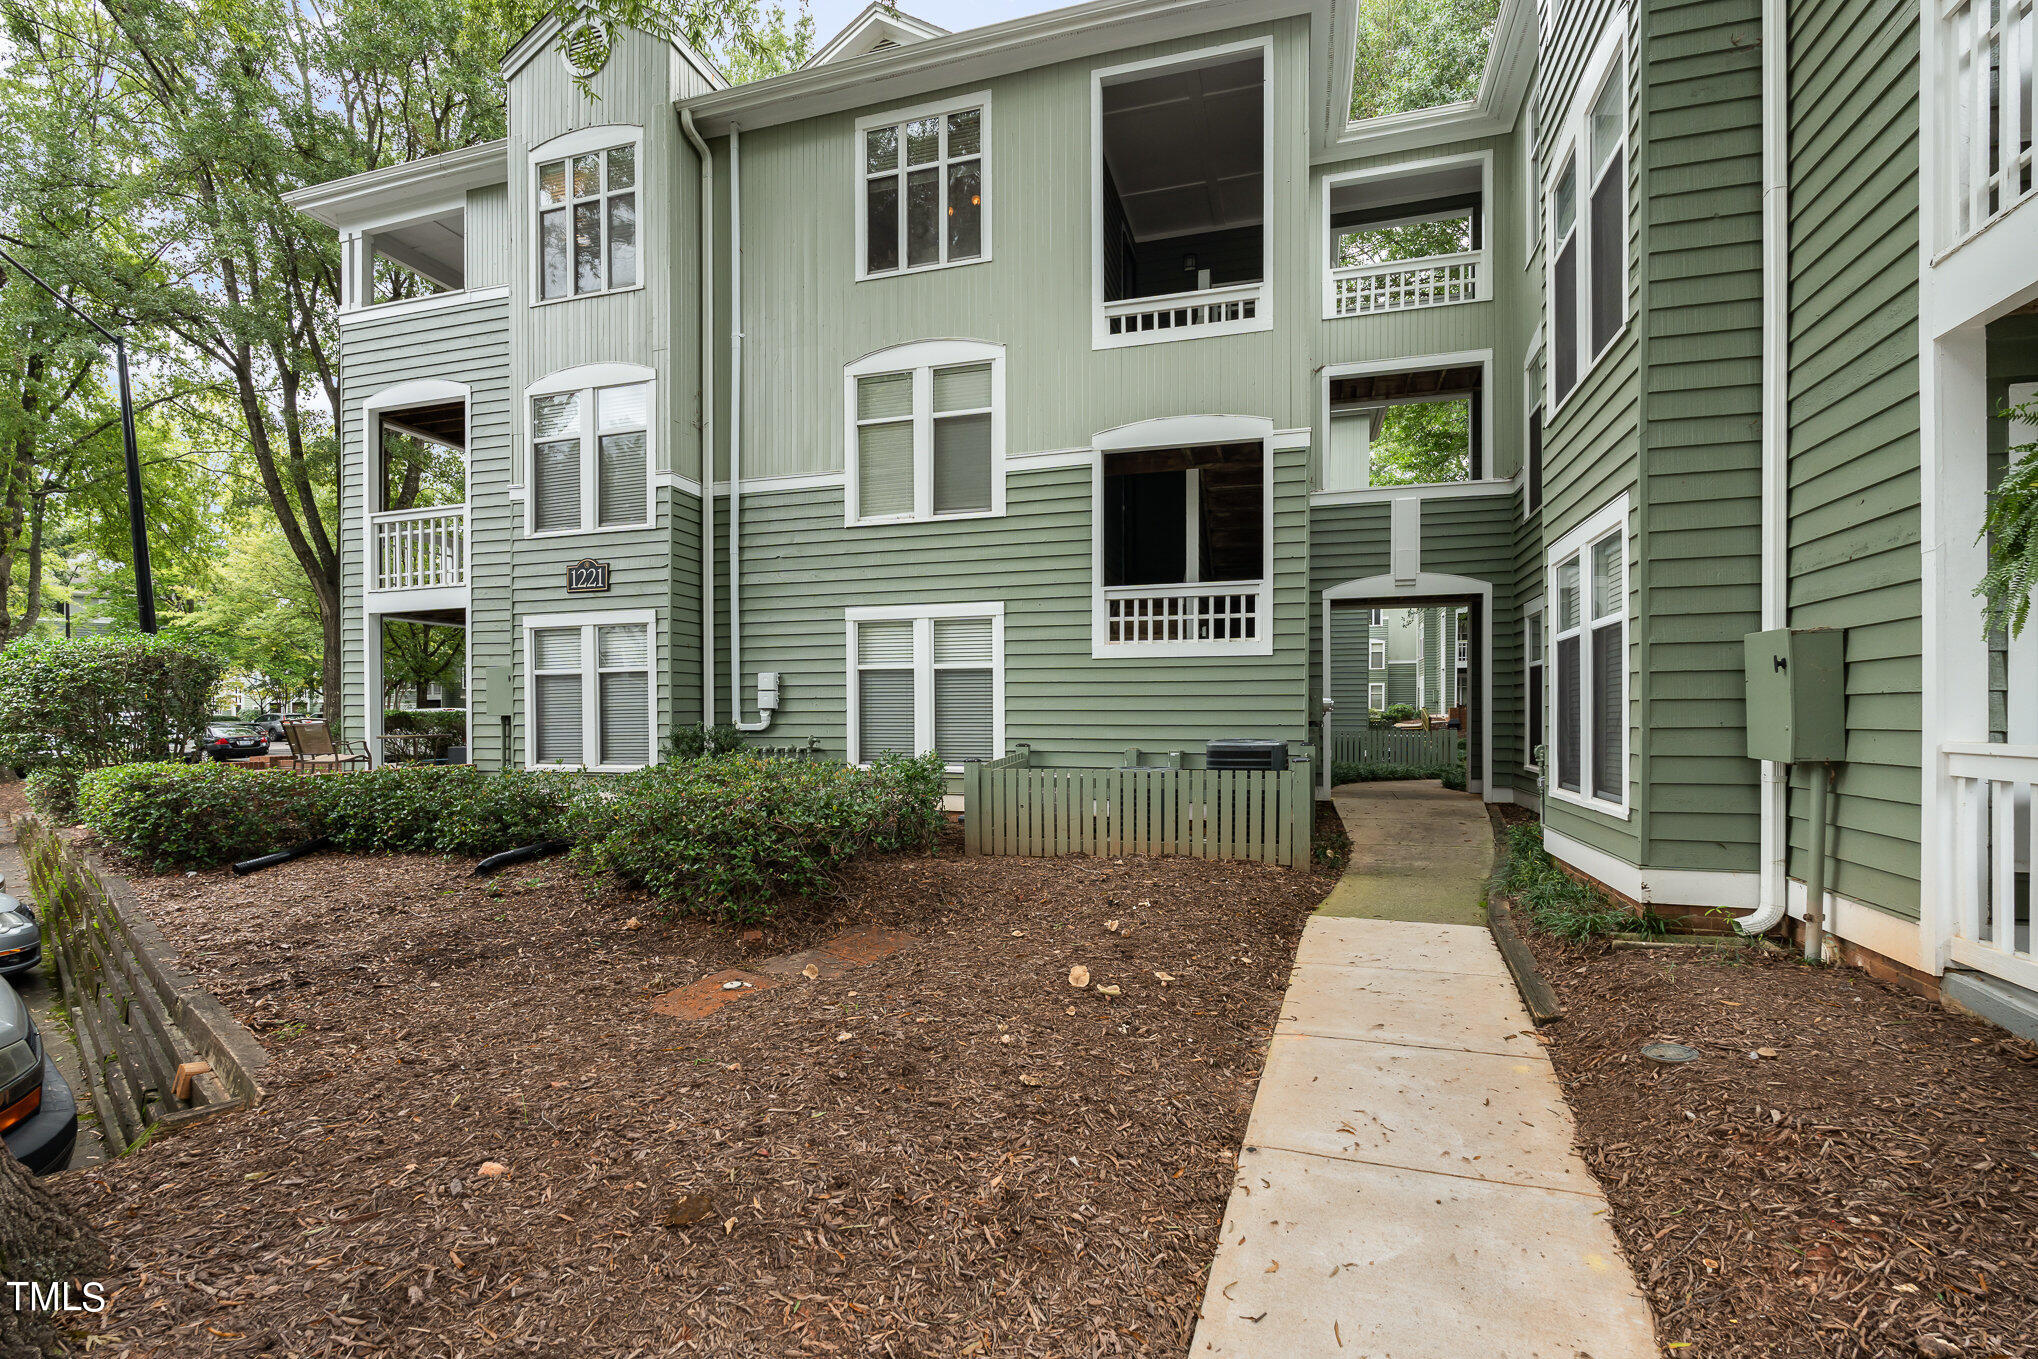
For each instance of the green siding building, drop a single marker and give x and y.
(1093, 381)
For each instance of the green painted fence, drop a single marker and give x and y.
(1385, 745)
(1263, 815)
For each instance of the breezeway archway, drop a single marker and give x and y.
(1423, 589)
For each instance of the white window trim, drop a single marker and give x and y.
(1327, 240)
(922, 617)
(1376, 654)
(1534, 619)
(1376, 696)
(1263, 317)
(1482, 485)
(590, 683)
(1532, 395)
(920, 359)
(586, 379)
(1186, 431)
(1577, 544)
(1609, 61)
(859, 176)
(605, 138)
(1531, 177)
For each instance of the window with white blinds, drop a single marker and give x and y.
(925, 433)
(929, 682)
(591, 691)
(1588, 581)
(591, 459)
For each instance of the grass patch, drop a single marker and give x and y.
(1557, 903)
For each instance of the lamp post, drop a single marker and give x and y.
(137, 526)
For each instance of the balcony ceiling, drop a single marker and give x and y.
(444, 423)
(1367, 389)
(1185, 148)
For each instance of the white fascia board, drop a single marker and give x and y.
(900, 27)
(1503, 85)
(380, 197)
(902, 74)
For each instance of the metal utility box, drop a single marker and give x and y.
(1797, 694)
(1245, 754)
(497, 696)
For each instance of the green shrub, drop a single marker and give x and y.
(53, 791)
(726, 835)
(200, 814)
(1389, 773)
(1399, 712)
(1560, 904)
(112, 698)
(444, 809)
(425, 722)
(699, 742)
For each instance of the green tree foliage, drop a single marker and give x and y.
(1416, 54)
(257, 610)
(1423, 442)
(102, 700)
(2011, 531)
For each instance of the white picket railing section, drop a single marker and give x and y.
(1987, 83)
(1364, 289)
(421, 549)
(1994, 846)
(1183, 615)
(1209, 309)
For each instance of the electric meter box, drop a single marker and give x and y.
(1797, 694)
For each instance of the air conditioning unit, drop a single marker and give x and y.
(1241, 753)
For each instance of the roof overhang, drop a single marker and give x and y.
(1510, 62)
(403, 193)
(545, 33)
(879, 24)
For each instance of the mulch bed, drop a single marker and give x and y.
(947, 1151)
(1870, 1190)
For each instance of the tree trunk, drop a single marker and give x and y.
(43, 1242)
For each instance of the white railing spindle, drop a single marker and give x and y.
(1366, 289)
(420, 549)
(1986, 80)
(1994, 828)
(1189, 615)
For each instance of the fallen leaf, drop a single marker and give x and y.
(633, 924)
(1274, 1268)
(1164, 977)
(493, 1169)
(844, 1037)
(1079, 976)
(1111, 925)
(689, 1210)
(810, 972)
(1765, 1052)
(1104, 990)
(1030, 1079)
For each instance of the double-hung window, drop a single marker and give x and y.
(924, 176)
(587, 222)
(1587, 209)
(927, 679)
(1376, 654)
(926, 433)
(1588, 582)
(591, 458)
(590, 690)
(1376, 696)
(1535, 699)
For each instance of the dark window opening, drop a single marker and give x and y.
(1176, 516)
(1535, 460)
(423, 456)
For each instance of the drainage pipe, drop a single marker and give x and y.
(1815, 869)
(511, 857)
(707, 362)
(736, 438)
(256, 865)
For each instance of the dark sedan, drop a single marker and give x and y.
(231, 741)
(20, 940)
(38, 1113)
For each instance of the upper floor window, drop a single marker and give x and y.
(1411, 235)
(1376, 653)
(1588, 582)
(587, 219)
(1407, 427)
(590, 456)
(926, 432)
(924, 177)
(1587, 206)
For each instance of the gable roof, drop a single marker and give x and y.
(878, 28)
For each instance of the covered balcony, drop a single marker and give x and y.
(417, 528)
(1407, 237)
(1183, 552)
(1985, 86)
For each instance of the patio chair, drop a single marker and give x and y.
(313, 748)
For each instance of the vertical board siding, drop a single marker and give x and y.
(1854, 416)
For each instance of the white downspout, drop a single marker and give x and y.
(736, 438)
(1775, 843)
(707, 309)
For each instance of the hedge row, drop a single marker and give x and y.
(724, 836)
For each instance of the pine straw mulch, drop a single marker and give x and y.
(1870, 1190)
(948, 1152)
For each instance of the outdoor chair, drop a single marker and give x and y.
(313, 748)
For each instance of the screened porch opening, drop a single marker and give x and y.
(1183, 194)
(1184, 546)
(420, 668)
(419, 516)
(1415, 428)
(1416, 239)
(416, 259)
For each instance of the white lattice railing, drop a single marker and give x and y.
(1183, 615)
(1993, 848)
(1986, 85)
(1209, 309)
(1363, 289)
(421, 549)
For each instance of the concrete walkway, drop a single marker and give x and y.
(1408, 1187)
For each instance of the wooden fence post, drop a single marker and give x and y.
(972, 806)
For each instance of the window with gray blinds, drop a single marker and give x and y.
(927, 684)
(962, 715)
(884, 715)
(925, 442)
(884, 445)
(623, 657)
(610, 426)
(555, 662)
(596, 671)
(962, 438)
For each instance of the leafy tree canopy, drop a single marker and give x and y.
(1416, 54)
(1423, 442)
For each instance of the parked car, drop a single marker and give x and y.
(38, 1113)
(271, 725)
(231, 741)
(20, 939)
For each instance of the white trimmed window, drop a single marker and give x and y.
(1376, 654)
(1586, 208)
(1376, 696)
(924, 176)
(927, 679)
(590, 456)
(926, 427)
(1588, 584)
(590, 691)
(1535, 693)
(586, 206)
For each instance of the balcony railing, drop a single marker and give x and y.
(1197, 616)
(1986, 82)
(1178, 315)
(420, 549)
(1993, 847)
(1364, 289)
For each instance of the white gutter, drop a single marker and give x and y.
(736, 439)
(707, 362)
(1775, 842)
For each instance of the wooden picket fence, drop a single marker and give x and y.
(1010, 808)
(1385, 745)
